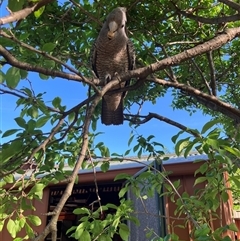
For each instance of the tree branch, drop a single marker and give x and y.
(212, 73)
(46, 55)
(202, 76)
(218, 20)
(21, 14)
(86, 12)
(150, 116)
(3, 91)
(51, 226)
(209, 101)
(231, 4)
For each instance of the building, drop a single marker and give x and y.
(83, 195)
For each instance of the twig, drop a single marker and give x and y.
(86, 12)
(202, 76)
(150, 116)
(21, 14)
(212, 73)
(95, 183)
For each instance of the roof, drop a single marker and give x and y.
(134, 162)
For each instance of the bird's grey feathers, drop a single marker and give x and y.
(113, 53)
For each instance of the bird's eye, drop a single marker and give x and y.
(122, 26)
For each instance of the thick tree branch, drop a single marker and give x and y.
(231, 4)
(24, 12)
(214, 43)
(143, 72)
(209, 101)
(46, 55)
(23, 65)
(49, 72)
(217, 20)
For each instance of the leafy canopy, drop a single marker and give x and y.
(186, 48)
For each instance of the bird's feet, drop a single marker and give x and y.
(108, 78)
(117, 76)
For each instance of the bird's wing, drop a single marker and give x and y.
(131, 60)
(131, 55)
(93, 58)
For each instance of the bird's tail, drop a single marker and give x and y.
(112, 117)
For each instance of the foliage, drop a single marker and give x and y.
(186, 48)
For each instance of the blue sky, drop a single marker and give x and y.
(115, 137)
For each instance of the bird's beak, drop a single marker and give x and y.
(112, 29)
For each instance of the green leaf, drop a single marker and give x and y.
(105, 166)
(127, 152)
(167, 238)
(49, 64)
(235, 181)
(85, 236)
(43, 76)
(22, 222)
(232, 150)
(23, 74)
(174, 138)
(94, 125)
(122, 176)
(15, 5)
(9, 178)
(37, 190)
(19, 239)
(78, 211)
(33, 112)
(2, 77)
(31, 124)
(233, 227)
(48, 47)
(21, 122)
(181, 144)
(226, 238)
(39, 12)
(104, 237)
(35, 220)
(42, 121)
(130, 140)
(224, 196)
(1, 224)
(11, 227)
(209, 125)
(202, 231)
(79, 230)
(200, 180)
(13, 77)
(56, 102)
(71, 117)
(29, 230)
(124, 231)
(135, 148)
(10, 132)
(122, 192)
(203, 168)
(11, 150)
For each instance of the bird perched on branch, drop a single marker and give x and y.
(113, 54)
